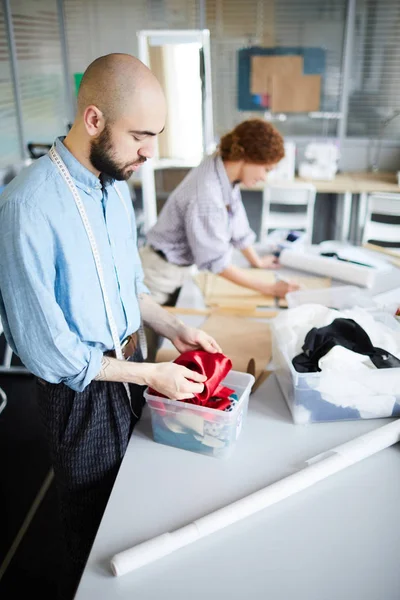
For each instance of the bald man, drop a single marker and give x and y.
(72, 297)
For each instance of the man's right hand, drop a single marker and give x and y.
(173, 381)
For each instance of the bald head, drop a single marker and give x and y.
(121, 110)
(114, 83)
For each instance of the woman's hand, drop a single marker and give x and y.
(269, 262)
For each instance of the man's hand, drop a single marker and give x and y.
(174, 381)
(269, 262)
(189, 338)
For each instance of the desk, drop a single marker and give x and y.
(375, 182)
(352, 182)
(337, 539)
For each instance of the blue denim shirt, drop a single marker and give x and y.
(51, 304)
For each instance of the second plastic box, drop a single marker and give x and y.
(337, 396)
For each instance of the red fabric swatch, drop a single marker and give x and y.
(215, 367)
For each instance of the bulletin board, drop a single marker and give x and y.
(280, 79)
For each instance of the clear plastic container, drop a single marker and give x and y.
(308, 404)
(341, 298)
(198, 428)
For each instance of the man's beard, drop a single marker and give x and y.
(102, 157)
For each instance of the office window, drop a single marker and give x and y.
(9, 141)
(98, 27)
(309, 23)
(38, 47)
(375, 83)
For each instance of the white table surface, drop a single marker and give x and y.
(340, 539)
(336, 540)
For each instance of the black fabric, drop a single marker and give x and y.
(88, 433)
(341, 332)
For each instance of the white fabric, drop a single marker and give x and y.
(341, 358)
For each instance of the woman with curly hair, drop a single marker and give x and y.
(204, 218)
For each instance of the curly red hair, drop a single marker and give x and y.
(254, 141)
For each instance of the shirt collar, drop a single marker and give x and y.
(227, 188)
(82, 177)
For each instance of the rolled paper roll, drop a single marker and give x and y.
(149, 551)
(330, 267)
(317, 469)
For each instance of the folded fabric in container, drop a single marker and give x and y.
(190, 430)
(340, 358)
(362, 391)
(341, 332)
(184, 420)
(164, 434)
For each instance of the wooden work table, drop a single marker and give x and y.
(356, 182)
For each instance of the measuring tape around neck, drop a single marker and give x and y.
(55, 157)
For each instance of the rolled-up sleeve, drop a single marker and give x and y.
(208, 235)
(243, 236)
(34, 323)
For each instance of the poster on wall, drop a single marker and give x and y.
(280, 79)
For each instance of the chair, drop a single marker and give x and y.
(377, 213)
(289, 195)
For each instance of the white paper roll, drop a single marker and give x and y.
(322, 265)
(318, 468)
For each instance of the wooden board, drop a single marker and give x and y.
(246, 342)
(296, 94)
(223, 310)
(218, 291)
(263, 68)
